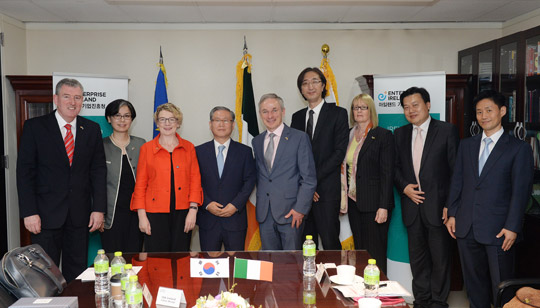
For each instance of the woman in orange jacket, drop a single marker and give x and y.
(168, 189)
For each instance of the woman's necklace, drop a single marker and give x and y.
(119, 144)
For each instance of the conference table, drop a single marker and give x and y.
(288, 288)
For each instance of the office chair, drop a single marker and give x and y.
(508, 288)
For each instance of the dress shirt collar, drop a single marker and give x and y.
(62, 123)
(424, 126)
(495, 137)
(226, 144)
(278, 131)
(317, 108)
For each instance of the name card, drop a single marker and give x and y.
(147, 296)
(170, 297)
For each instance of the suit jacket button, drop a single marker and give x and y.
(267, 194)
(270, 181)
(179, 188)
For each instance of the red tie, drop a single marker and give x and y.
(69, 142)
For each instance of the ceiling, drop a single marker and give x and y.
(265, 11)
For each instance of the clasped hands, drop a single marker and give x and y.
(220, 210)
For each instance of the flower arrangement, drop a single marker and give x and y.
(223, 300)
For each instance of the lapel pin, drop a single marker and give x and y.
(373, 137)
(286, 138)
(81, 127)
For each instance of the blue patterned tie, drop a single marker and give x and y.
(220, 160)
(484, 156)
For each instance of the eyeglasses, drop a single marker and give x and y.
(119, 117)
(170, 120)
(222, 121)
(356, 108)
(314, 82)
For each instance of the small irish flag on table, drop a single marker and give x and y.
(253, 269)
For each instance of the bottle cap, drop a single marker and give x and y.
(117, 253)
(101, 252)
(309, 237)
(133, 278)
(372, 261)
(128, 266)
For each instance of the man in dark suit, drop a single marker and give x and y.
(227, 177)
(491, 186)
(61, 179)
(286, 178)
(327, 126)
(425, 155)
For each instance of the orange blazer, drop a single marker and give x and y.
(153, 186)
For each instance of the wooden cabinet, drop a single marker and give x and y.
(33, 97)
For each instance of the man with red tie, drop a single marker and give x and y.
(61, 179)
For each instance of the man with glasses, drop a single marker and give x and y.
(61, 179)
(227, 178)
(425, 155)
(327, 127)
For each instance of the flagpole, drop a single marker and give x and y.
(233, 269)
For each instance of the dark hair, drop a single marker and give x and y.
(492, 95)
(114, 106)
(69, 82)
(415, 90)
(301, 79)
(218, 108)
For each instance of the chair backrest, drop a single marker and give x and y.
(508, 289)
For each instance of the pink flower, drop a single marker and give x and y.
(231, 305)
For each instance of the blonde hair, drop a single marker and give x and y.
(170, 107)
(366, 98)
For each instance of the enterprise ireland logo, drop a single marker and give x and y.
(389, 98)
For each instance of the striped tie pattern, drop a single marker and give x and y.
(69, 142)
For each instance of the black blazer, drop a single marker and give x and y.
(48, 186)
(438, 158)
(234, 186)
(329, 145)
(375, 171)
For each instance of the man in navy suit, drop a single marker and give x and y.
(491, 186)
(286, 178)
(61, 179)
(227, 177)
(328, 128)
(425, 155)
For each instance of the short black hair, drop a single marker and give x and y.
(301, 79)
(415, 90)
(495, 96)
(114, 106)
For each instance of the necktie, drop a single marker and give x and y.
(484, 156)
(418, 148)
(309, 126)
(220, 160)
(269, 152)
(69, 143)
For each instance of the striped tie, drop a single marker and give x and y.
(69, 142)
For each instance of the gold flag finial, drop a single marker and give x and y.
(325, 50)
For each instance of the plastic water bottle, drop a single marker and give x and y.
(128, 272)
(309, 256)
(101, 269)
(371, 279)
(309, 297)
(117, 264)
(134, 298)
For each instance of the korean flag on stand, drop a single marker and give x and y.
(209, 268)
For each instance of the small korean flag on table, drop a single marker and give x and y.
(209, 268)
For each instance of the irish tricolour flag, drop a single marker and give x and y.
(253, 269)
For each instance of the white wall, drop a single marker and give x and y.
(521, 23)
(13, 63)
(201, 63)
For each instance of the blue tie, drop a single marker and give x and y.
(220, 160)
(484, 156)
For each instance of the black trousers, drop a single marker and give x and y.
(430, 256)
(323, 221)
(70, 243)
(212, 239)
(167, 232)
(368, 234)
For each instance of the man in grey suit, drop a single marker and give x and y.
(286, 178)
